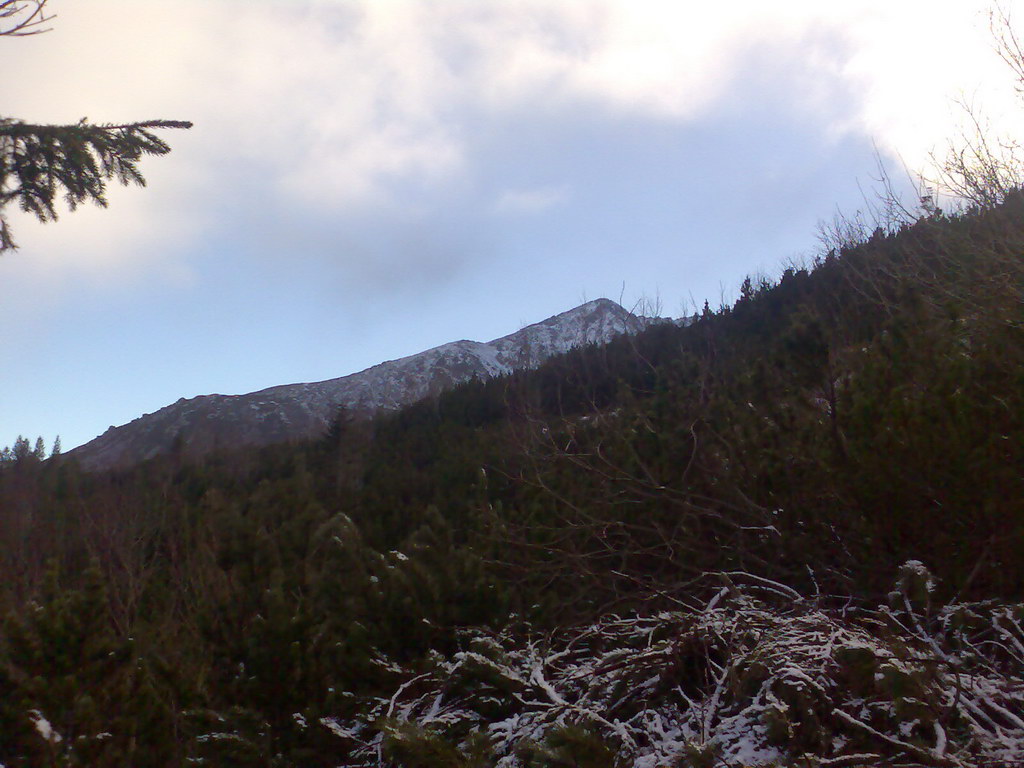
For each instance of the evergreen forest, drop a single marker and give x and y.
(789, 532)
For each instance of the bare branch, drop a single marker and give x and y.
(21, 18)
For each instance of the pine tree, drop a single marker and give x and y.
(38, 162)
(65, 679)
(21, 451)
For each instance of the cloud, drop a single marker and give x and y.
(530, 201)
(353, 109)
(910, 62)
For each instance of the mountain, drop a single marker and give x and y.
(201, 424)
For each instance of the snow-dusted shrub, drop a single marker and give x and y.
(410, 746)
(568, 746)
(757, 676)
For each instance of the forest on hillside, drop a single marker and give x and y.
(788, 533)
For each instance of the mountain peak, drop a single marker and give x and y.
(297, 411)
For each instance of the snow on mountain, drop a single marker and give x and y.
(293, 411)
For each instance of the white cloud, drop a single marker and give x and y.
(910, 60)
(337, 104)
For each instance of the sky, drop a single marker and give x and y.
(367, 179)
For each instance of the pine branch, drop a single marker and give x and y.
(38, 162)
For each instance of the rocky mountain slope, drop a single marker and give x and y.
(293, 411)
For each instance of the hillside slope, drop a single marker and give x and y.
(201, 424)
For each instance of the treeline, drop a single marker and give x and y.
(23, 450)
(821, 431)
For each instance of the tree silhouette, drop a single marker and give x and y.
(40, 162)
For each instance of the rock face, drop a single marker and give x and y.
(294, 411)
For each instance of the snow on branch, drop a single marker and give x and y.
(748, 679)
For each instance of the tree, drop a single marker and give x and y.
(72, 691)
(22, 17)
(21, 450)
(38, 162)
(981, 167)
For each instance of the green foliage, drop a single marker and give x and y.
(568, 746)
(408, 746)
(40, 162)
(699, 755)
(72, 693)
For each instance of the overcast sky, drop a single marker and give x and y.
(370, 178)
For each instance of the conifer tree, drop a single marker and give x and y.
(40, 162)
(21, 450)
(65, 679)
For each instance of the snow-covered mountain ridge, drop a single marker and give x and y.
(201, 424)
